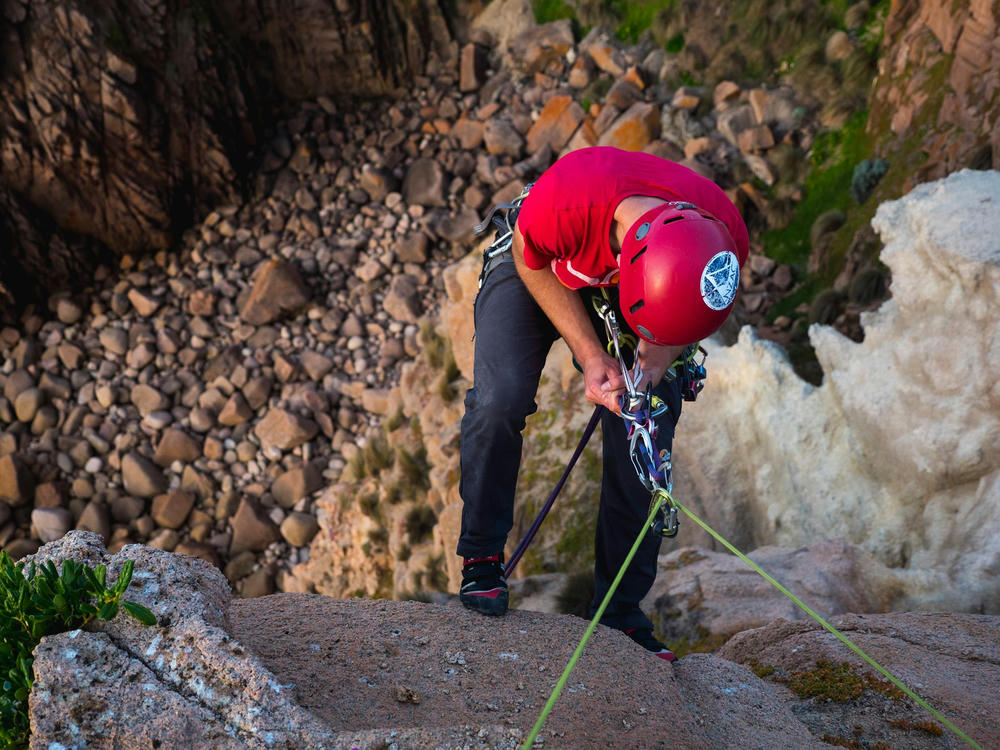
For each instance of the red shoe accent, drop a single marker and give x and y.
(491, 594)
(667, 655)
(471, 560)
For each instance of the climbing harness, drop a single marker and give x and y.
(639, 411)
(502, 217)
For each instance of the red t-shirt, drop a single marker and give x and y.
(566, 218)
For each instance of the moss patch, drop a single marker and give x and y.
(921, 726)
(761, 670)
(685, 558)
(839, 683)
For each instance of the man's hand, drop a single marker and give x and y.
(655, 361)
(603, 379)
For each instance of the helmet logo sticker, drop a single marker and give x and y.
(642, 231)
(720, 280)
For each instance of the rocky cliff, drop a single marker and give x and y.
(938, 87)
(308, 671)
(121, 124)
(898, 449)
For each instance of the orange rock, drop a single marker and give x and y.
(469, 133)
(556, 123)
(697, 146)
(759, 138)
(606, 58)
(634, 129)
(726, 91)
(584, 137)
(632, 75)
(580, 74)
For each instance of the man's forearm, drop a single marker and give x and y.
(562, 305)
(656, 360)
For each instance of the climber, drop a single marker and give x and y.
(671, 244)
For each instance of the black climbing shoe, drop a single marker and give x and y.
(484, 588)
(645, 638)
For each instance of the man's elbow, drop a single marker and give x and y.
(517, 251)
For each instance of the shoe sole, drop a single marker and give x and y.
(492, 606)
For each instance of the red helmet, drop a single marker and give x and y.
(678, 274)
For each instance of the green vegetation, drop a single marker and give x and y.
(839, 682)
(394, 421)
(379, 536)
(761, 670)
(638, 15)
(420, 522)
(867, 286)
(44, 600)
(413, 471)
(435, 578)
(834, 156)
(866, 176)
(369, 505)
(547, 11)
(576, 594)
(826, 307)
(377, 453)
(435, 348)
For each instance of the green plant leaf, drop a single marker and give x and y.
(139, 612)
(124, 578)
(108, 610)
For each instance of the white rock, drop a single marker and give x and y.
(899, 450)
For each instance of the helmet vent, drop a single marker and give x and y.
(636, 256)
(645, 332)
(637, 306)
(673, 218)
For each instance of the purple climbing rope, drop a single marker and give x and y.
(536, 524)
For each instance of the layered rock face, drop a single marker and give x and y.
(122, 124)
(899, 449)
(940, 69)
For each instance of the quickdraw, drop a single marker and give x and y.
(640, 410)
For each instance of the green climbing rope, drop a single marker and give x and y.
(590, 628)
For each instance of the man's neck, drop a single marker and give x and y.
(628, 213)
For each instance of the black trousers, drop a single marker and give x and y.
(513, 338)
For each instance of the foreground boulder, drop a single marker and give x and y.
(699, 593)
(951, 660)
(296, 670)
